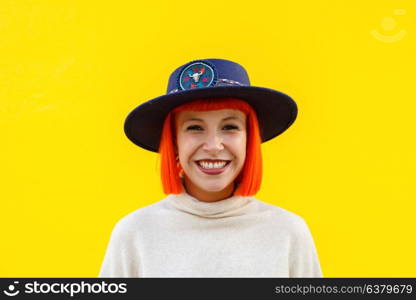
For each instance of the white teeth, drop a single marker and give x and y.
(209, 165)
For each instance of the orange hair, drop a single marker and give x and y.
(248, 181)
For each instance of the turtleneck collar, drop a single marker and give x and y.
(232, 206)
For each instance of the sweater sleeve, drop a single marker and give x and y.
(303, 256)
(121, 257)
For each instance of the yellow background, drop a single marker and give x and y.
(71, 71)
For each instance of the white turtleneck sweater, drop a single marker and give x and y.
(181, 236)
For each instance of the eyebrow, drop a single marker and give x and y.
(225, 119)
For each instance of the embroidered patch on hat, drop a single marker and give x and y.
(197, 75)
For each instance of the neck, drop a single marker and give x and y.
(206, 196)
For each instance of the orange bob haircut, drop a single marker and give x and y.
(247, 182)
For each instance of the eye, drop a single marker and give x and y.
(194, 127)
(230, 127)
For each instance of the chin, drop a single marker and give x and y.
(213, 187)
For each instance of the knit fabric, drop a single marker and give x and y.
(181, 236)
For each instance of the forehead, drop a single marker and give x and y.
(212, 115)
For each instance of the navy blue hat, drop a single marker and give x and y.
(209, 78)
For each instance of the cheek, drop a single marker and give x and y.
(242, 151)
(238, 147)
(186, 146)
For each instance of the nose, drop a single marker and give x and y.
(213, 143)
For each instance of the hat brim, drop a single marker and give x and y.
(275, 110)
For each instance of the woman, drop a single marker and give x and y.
(208, 129)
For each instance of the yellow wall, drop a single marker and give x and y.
(70, 72)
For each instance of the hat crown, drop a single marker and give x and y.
(219, 72)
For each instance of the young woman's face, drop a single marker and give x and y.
(212, 150)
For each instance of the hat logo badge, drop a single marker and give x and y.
(196, 75)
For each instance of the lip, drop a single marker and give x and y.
(213, 171)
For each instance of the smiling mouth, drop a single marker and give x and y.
(212, 164)
(212, 167)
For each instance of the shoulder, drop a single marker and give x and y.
(138, 219)
(284, 218)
